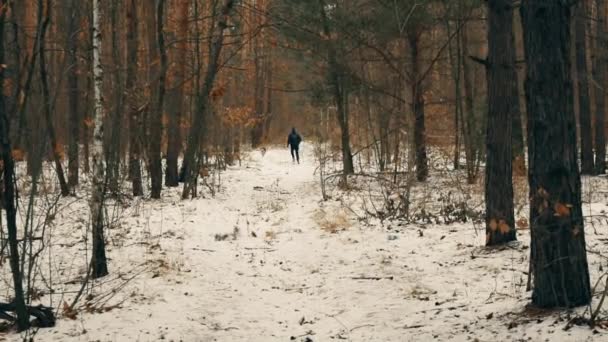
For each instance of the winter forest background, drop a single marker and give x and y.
(452, 186)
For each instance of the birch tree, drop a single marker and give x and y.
(98, 262)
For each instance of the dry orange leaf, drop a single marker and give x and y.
(493, 225)
(18, 155)
(503, 227)
(88, 122)
(522, 223)
(561, 209)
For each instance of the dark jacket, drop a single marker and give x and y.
(294, 139)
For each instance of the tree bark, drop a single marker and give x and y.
(134, 112)
(73, 92)
(600, 64)
(46, 7)
(586, 133)
(9, 193)
(558, 254)
(340, 93)
(99, 261)
(176, 97)
(114, 145)
(417, 98)
(470, 122)
(196, 131)
(503, 100)
(156, 122)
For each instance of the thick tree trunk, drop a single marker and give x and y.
(156, 122)
(99, 261)
(417, 98)
(73, 92)
(176, 97)
(586, 133)
(156, 36)
(9, 198)
(503, 100)
(196, 131)
(133, 110)
(558, 254)
(48, 118)
(600, 64)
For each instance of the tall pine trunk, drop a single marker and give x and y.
(417, 99)
(175, 99)
(503, 105)
(155, 34)
(133, 110)
(99, 261)
(558, 254)
(114, 145)
(156, 122)
(586, 133)
(469, 122)
(600, 64)
(73, 92)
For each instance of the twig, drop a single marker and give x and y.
(372, 278)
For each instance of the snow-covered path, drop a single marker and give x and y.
(267, 260)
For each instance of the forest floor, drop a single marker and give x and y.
(266, 259)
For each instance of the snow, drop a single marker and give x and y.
(266, 259)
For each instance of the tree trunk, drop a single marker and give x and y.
(133, 110)
(503, 100)
(46, 7)
(417, 98)
(196, 131)
(600, 64)
(454, 56)
(586, 133)
(470, 124)
(73, 92)
(340, 91)
(558, 254)
(114, 145)
(9, 198)
(156, 122)
(99, 261)
(176, 98)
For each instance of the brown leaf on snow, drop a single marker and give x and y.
(69, 312)
(522, 223)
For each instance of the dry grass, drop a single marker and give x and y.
(333, 223)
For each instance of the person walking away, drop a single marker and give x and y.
(293, 141)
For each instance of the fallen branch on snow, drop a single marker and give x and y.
(45, 317)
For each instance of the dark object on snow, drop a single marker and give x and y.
(45, 317)
(293, 141)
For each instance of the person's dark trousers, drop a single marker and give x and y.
(295, 154)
